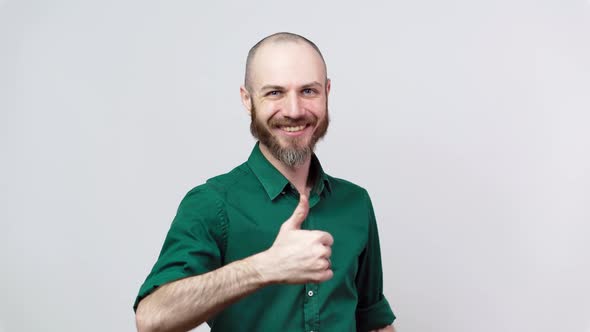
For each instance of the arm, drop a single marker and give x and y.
(186, 303)
(296, 256)
(373, 310)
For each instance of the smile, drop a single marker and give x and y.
(293, 129)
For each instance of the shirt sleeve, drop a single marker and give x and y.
(194, 244)
(373, 310)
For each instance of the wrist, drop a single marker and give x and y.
(260, 266)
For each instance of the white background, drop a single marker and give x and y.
(467, 121)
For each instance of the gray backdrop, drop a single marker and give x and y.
(467, 121)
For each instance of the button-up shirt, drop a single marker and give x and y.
(238, 214)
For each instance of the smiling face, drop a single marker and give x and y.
(287, 98)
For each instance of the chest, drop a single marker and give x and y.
(252, 228)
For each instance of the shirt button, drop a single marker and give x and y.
(310, 293)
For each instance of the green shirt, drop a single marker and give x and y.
(238, 214)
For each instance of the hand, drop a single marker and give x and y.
(297, 256)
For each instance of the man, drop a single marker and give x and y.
(276, 244)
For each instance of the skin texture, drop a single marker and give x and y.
(288, 87)
(187, 303)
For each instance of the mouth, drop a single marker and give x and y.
(293, 129)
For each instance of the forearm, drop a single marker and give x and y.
(187, 303)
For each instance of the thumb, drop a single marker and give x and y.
(299, 214)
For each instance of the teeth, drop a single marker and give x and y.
(292, 129)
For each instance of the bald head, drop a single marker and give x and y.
(275, 39)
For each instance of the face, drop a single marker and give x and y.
(288, 100)
(289, 139)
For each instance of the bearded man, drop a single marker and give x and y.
(276, 244)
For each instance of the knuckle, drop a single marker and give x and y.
(329, 274)
(323, 276)
(316, 249)
(330, 238)
(322, 264)
(321, 236)
(326, 237)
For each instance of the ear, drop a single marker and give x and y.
(246, 99)
(328, 85)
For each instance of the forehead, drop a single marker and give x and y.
(287, 63)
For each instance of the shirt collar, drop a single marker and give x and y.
(274, 182)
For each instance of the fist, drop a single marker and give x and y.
(297, 256)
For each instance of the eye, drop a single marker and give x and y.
(273, 93)
(309, 92)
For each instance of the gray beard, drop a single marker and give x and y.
(291, 157)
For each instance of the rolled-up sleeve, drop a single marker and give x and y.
(373, 311)
(194, 244)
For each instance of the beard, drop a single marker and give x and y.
(296, 152)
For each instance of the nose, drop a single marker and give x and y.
(294, 108)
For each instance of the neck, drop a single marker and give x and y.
(297, 175)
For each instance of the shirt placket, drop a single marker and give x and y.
(311, 305)
(311, 308)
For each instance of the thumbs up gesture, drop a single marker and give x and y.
(297, 256)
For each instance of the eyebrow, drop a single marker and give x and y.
(278, 87)
(271, 87)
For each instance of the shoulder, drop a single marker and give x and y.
(230, 178)
(203, 208)
(344, 186)
(347, 193)
(211, 194)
